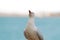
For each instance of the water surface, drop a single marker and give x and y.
(12, 28)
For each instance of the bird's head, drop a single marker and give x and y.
(31, 14)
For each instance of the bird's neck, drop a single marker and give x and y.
(31, 21)
(31, 24)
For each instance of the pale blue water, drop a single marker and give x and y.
(12, 28)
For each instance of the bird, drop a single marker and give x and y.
(31, 32)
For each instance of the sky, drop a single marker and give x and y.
(25, 5)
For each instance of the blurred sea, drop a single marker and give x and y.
(12, 28)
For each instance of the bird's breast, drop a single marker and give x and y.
(31, 34)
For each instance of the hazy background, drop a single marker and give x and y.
(12, 28)
(22, 6)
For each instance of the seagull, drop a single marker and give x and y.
(31, 32)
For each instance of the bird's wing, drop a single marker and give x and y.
(25, 35)
(39, 35)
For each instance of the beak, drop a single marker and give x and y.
(30, 12)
